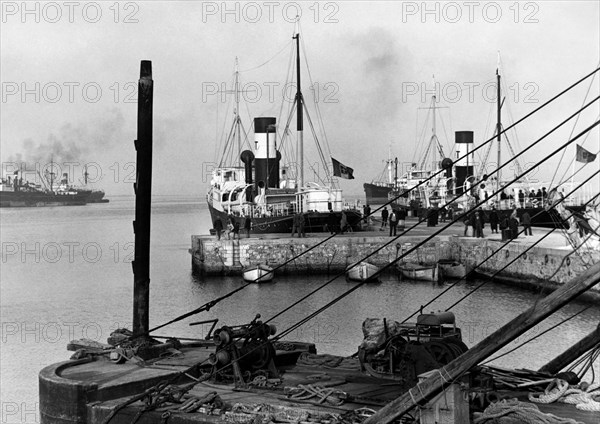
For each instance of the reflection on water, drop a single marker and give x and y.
(66, 274)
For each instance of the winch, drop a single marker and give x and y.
(243, 351)
(403, 351)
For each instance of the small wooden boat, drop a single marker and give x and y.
(364, 271)
(258, 274)
(412, 271)
(452, 269)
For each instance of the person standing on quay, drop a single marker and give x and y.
(295, 225)
(393, 223)
(478, 224)
(343, 222)
(247, 225)
(367, 212)
(384, 217)
(526, 221)
(302, 221)
(218, 226)
(494, 219)
(521, 198)
(467, 222)
(331, 222)
(513, 224)
(442, 213)
(401, 215)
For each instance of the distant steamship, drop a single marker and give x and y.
(15, 192)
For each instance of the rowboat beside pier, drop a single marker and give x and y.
(419, 272)
(258, 274)
(364, 271)
(451, 269)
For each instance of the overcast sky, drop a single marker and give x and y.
(69, 75)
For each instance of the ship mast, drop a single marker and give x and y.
(434, 144)
(396, 173)
(299, 120)
(389, 165)
(237, 108)
(498, 133)
(433, 134)
(52, 174)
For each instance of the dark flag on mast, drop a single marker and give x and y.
(343, 171)
(583, 155)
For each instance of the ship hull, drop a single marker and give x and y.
(315, 222)
(376, 194)
(28, 199)
(96, 196)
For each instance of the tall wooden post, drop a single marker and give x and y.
(435, 384)
(143, 193)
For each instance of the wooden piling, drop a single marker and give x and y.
(143, 193)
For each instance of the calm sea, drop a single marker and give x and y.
(66, 274)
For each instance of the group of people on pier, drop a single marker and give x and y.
(474, 222)
(232, 229)
(396, 219)
(507, 224)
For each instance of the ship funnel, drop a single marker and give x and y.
(463, 137)
(248, 157)
(267, 158)
(463, 167)
(446, 164)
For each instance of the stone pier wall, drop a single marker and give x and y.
(223, 257)
(538, 264)
(538, 267)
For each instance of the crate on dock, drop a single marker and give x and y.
(449, 407)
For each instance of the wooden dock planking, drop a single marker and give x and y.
(107, 374)
(362, 390)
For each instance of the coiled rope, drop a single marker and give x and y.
(511, 411)
(306, 392)
(584, 398)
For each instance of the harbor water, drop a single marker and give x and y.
(66, 274)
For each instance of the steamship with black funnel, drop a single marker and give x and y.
(14, 192)
(519, 197)
(460, 183)
(265, 189)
